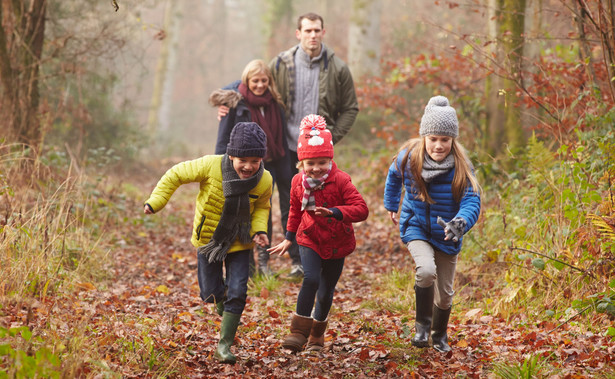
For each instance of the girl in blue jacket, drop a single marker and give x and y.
(440, 205)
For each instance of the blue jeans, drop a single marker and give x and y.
(213, 286)
(319, 280)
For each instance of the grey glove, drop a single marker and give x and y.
(453, 229)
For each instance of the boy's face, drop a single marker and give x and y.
(315, 168)
(246, 167)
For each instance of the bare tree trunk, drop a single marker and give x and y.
(585, 55)
(494, 124)
(279, 20)
(364, 38)
(513, 28)
(504, 129)
(153, 121)
(22, 34)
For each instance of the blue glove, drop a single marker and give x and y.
(453, 229)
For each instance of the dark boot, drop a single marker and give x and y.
(316, 341)
(439, 326)
(422, 323)
(228, 328)
(220, 307)
(263, 261)
(300, 328)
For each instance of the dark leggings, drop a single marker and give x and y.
(319, 280)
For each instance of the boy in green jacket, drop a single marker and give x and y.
(232, 209)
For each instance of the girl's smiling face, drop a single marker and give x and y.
(246, 167)
(438, 147)
(316, 168)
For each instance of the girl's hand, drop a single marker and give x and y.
(147, 210)
(393, 216)
(322, 211)
(280, 248)
(261, 239)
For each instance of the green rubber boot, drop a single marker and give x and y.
(228, 328)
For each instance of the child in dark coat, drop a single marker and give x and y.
(323, 205)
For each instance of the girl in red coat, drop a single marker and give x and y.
(323, 205)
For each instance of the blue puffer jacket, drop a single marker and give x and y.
(417, 220)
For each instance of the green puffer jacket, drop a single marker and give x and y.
(337, 100)
(207, 171)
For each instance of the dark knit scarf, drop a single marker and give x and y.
(270, 121)
(235, 218)
(431, 168)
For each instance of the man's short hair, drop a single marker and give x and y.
(312, 17)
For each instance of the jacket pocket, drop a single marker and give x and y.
(198, 229)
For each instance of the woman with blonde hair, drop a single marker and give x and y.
(257, 100)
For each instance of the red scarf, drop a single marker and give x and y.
(270, 122)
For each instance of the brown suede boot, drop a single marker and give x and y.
(300, 328)
(316, 341)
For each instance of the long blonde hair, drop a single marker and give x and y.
(258, 66)
(415, 150)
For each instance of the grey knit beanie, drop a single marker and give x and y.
(247, 140)
(439, 118)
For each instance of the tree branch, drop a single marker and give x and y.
(554, 259)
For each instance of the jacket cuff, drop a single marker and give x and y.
(291, 236)
(337, 214)
(150, 208)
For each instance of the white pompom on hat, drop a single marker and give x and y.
(439, 118)
(315, 140)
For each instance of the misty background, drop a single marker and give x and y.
(177, 53)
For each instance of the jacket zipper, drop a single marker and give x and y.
(198, 229)
(428, 213)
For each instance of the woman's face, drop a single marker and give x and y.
(258, 83)
(438, 147)
(316, 168)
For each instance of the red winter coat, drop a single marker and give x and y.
(329, 237)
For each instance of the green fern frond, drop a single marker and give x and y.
(606, 230)
(539, 156)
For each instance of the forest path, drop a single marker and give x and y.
(154, 321)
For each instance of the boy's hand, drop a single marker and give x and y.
(261, 240)
(280, 248)
(147, 210)
(322, 211)
(222, 111)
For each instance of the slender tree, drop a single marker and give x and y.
(21, 45)
(503, 116)
(364, 37)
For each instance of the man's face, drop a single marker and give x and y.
(310, 36)
(245, 167)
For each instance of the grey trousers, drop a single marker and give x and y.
(434, 267)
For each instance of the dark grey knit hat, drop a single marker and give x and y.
(439, 118)
(247, 140)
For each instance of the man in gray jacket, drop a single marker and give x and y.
(311, 79)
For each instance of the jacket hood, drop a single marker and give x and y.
(288, 55)
(225, 97)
